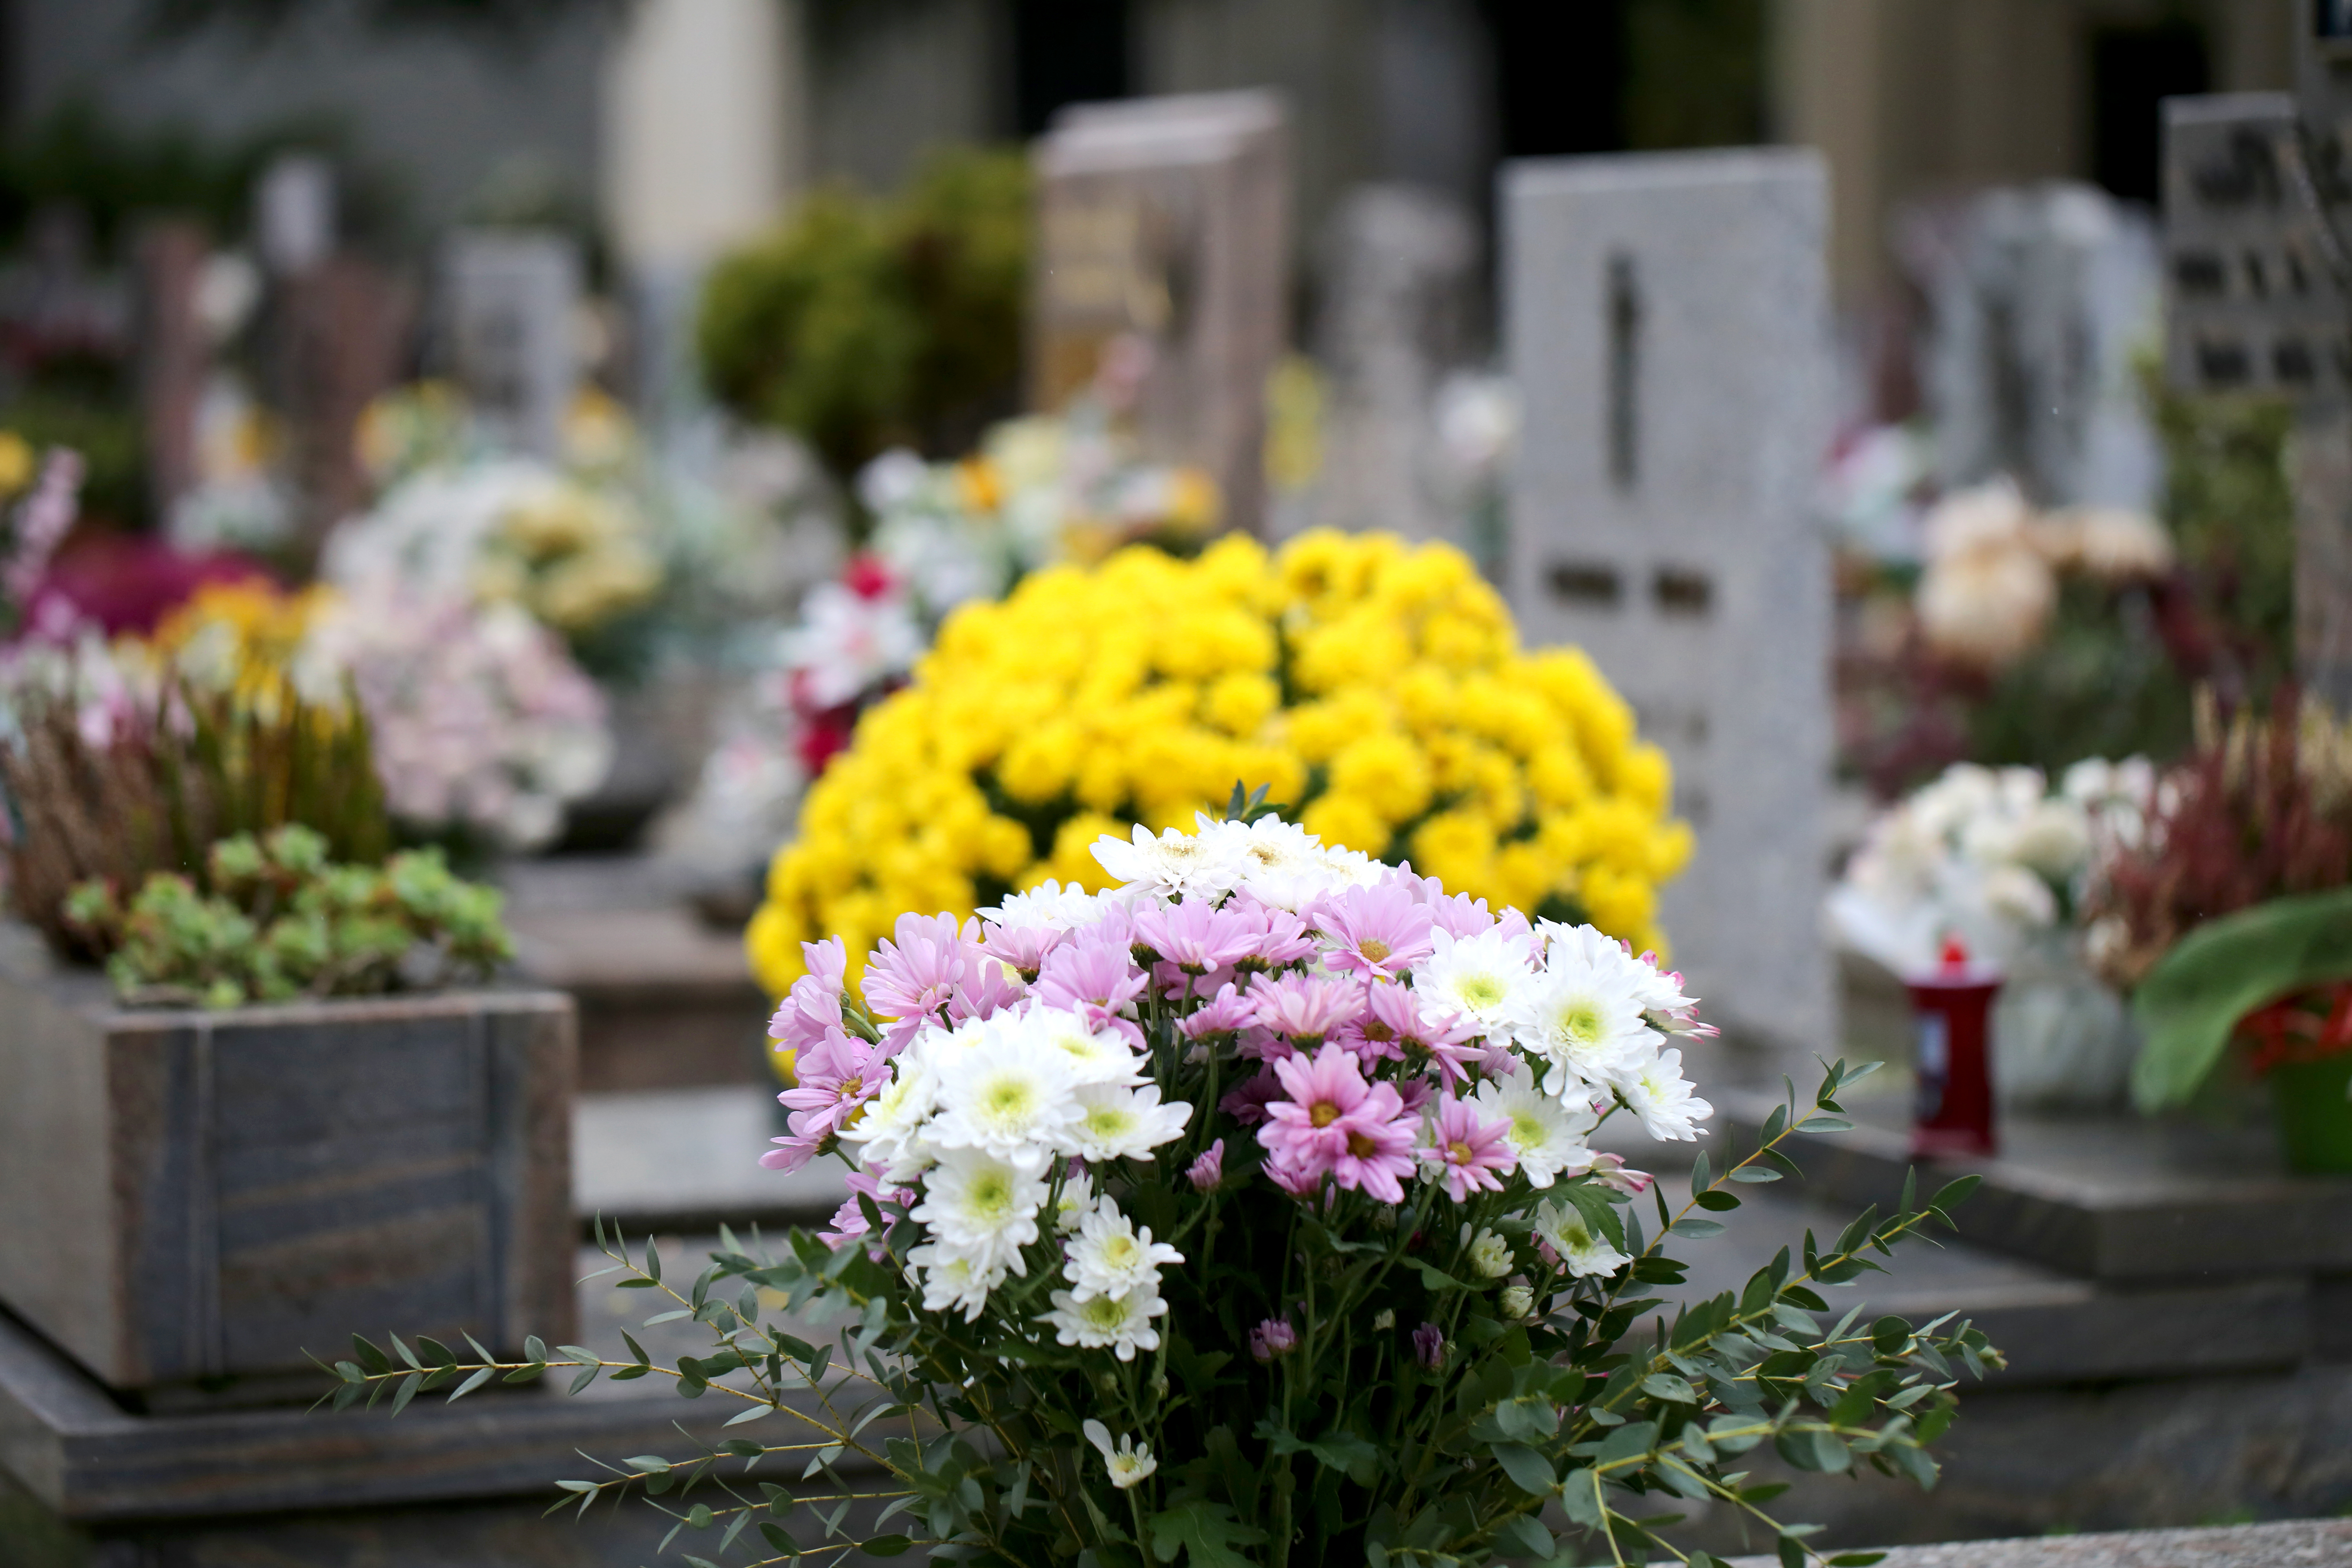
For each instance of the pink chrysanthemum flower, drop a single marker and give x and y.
(1457, 914)
(914, 972)
(1207, 1173)
(1091, 977)
(1278, 938)
(1222, 1017)
(1306, 1007)
(1023, 947)
(849, 1220)
(1380, 931)
(1275, 1337)
(1470, 1153)
(1247, 1100)
(1399, 1025)
(991, 988)
(1335, 1123)
(812, 1007)
(837, 1076)
(1195, 936)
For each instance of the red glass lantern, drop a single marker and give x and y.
(1952, 1013)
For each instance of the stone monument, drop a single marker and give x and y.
(1396, 267)
(2259, 300)
(1164, 221)
(1667, 318)
(2040, 306)
(510, 302)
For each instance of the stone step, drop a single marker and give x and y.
(2121, 1200)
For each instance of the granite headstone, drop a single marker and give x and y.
(1396, 269)
(1163, 223)
(510, 302)
(1667, 318)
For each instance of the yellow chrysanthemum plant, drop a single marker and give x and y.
(1376, 688)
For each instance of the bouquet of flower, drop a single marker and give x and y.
(1984, 857)
(1249, 1208)
(1040, 489)
(569, 548)
(483, 727)
(1377, 686)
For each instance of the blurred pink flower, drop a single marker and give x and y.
(1470, 1153)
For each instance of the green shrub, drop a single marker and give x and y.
(864, 323)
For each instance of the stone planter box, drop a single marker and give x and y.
(191, 1201)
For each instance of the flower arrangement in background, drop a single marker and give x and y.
(2261, 810)
(484, 728)
(1040, 489)
(481, 727)
(509, 531)
(1376, 686)
(1983, 858)
(1994, 564)
(1250, 1206)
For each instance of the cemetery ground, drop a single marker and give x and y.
(2173, 1317)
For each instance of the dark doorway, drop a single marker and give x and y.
(1559, 74)
(2133, 70)
(1065, 52)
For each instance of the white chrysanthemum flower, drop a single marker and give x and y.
(1583, 1016)
(1121, 1324)
(888, 1134)
(1478, 976)
(1516, 1302)
(1656, 1092)
(1129, 1463)
(1279, 863)
(1547, 1136)
(1582, 1248)
(1009, 1092)
(1172, 864)
(983, 1205)
(1048, 905)
(1490, 1256)
(1116, 1123)
(1096, 1056)
(1112, 1257)
(954, 1279)
(1076, 1202)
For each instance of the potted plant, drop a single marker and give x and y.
(286, 1097)
(2231, 921)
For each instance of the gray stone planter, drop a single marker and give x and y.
(191, 1201)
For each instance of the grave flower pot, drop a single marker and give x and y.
(191, 1201)
(2303, 1044)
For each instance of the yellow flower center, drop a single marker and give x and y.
(1374, 950)
(1324, 1113)
(1458, 1153)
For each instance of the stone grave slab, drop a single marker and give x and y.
(2128, 1202)
(510, 302)
(688, 1160)
(1667, 317)
(1167, 220)
(2288, 1544)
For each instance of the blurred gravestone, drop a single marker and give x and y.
(174, 354)
(2039, 304)
(510, 302)
(2259, 298)
(1667, 318)
(1396, 269)
(338, 331)
(1164, 221)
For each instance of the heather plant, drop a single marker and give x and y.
(1248, 1209)
(283, 921)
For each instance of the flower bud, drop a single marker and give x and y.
(1272, 1338)
(1517, 1301)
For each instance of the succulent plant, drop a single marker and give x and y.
(282, 920)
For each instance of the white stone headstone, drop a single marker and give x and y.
(1396, 269)
(2041, 310)
(294, 212)
(1666, 316)
(510, 303)
(1165, 221)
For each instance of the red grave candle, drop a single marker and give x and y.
(1952, 1013)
